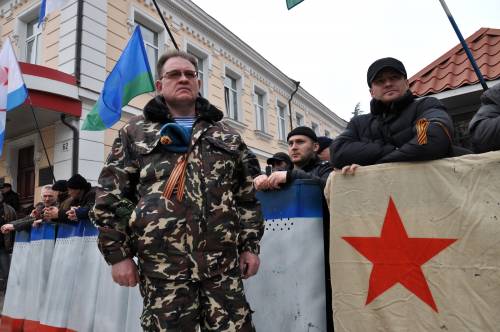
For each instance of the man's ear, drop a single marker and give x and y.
(371, 92)
(315, 146)
(158, 85)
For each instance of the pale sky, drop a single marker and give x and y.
(328, 45)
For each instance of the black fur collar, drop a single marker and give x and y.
(156, 110)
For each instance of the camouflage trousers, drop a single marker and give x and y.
(215, 304)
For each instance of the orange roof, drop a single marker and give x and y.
(453, 69)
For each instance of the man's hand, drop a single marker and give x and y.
(72, 214)
(276, 179)
(261, 182)
(35, 213)
(350, 169)
(249, 264)
(50, 212)
(7, 228)
(36, 223)
(125, 273)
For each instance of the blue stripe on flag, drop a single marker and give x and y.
(45, 231)
(2, 136)
(22, 236)
(16, 97)
(41, 14)
(89, 228)
(302, 199)
(65, 230)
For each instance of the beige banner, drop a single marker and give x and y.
(416, 246)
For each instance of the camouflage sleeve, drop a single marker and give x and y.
(251, 221)
(115, 185)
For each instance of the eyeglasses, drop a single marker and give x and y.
(177, 74)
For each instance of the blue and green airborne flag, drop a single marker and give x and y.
(130, 77)
(292, 3)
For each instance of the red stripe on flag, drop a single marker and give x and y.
(8, 324)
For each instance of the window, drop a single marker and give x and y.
(202, 59)
(299, 120)
(315, 128)
(281, 122)
(327, 133)
(231, 96)
(150, 38)
(33, 37)
(201, 74)
(260, 112)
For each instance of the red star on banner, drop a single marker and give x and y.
(398, 258)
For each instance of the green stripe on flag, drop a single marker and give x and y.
(292, 3)
(139, 85)
(93, 121)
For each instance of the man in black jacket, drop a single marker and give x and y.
(485, 125)
(398, 128)
(302, 148)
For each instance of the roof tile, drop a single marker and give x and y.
(453, 69)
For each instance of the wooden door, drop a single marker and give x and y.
(26, 176)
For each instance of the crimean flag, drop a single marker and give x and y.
(48, 6)
(130, 77)
(292, 3)
(13, 91)
(415, 246)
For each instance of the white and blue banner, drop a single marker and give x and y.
(63, 276)
(288, 292)
(16, 301)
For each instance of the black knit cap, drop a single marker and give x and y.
(60, 185)
(324, 142)
(77, 182)
(380, 64)
(303, 130)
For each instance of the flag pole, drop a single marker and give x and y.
(41, 139)
(166, 25)
(464, 45)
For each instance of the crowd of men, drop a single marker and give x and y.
(177, 191)
(62, 202)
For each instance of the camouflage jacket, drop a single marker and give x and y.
(197, 237)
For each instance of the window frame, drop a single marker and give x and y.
(203, 70)
(281, 121)
(137, 16)
(260, 110)
(234, 95)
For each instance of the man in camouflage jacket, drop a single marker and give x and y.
(196, 226)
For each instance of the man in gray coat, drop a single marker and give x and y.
(485, 125)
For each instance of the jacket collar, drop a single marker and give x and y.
(156, 110)
(311, 164)
(377, 107)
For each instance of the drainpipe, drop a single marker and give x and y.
(297, 83)
(78, 41)
(78, 72)
(76, 136)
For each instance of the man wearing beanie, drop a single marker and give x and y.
(77, 206)
(196, 224)
(324, 147)
(399, 127)
(302, 149)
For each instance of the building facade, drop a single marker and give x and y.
(66, 59)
